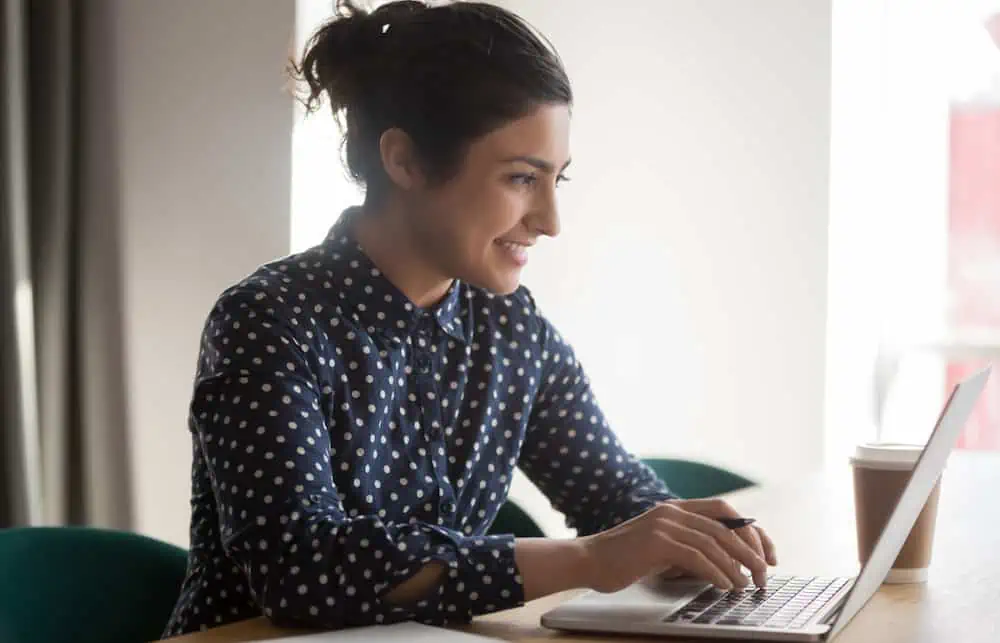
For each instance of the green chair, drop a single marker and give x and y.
(86, 585)
(511, 519)
(689, 479)
(686, 478)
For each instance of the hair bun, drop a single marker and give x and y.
(399, 10)
(344, 51)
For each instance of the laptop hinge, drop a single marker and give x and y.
(832, 616)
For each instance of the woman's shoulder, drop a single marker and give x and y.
(279, 289)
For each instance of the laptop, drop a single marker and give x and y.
(790, 608)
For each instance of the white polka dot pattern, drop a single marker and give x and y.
(343, 438)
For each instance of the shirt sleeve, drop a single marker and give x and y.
(572, 455)
(258, 416)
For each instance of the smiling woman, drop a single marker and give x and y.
(360, 407)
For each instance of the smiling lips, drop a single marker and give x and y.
(517, 252)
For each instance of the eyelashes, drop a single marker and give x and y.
(529, 180)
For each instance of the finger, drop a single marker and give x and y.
(711, 507)
(708, 546)
(749, 536)
(732, 543)
(770, 552)
(752, 539)
(672, 573)
(680, 555)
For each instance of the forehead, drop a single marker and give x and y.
(544, 134)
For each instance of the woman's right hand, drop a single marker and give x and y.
(668, 536)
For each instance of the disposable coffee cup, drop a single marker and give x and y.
(881, 472)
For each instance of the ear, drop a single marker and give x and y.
(399, 159)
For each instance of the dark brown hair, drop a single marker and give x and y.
(445, 74)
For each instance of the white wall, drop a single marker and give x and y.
(691, 274)
(205, 153)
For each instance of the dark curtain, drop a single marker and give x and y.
(64, 451)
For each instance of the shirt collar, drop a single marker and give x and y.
(372, 300)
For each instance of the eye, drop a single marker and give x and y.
(562, 178)
(523, 179)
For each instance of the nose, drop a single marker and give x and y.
(544, 218)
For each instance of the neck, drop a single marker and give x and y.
(388, 240)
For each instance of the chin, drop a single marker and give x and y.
(508, 288)
(497, 283)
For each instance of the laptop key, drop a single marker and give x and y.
(730, 621)
(680, 618)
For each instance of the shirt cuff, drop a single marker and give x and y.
(485, 579)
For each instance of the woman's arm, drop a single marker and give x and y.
(550, 565)
(546, 565)
(572, 455)
(630, 523)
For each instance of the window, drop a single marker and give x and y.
(915, 217)
(974, 228)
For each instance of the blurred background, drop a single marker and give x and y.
(793, 203)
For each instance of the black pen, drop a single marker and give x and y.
(736, 523)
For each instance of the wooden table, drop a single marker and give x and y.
(812, 522)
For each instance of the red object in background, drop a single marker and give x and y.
(974, 217)
(974, 251)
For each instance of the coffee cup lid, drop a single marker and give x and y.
(886, 455)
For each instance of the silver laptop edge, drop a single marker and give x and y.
(843, 606)
(925, 475)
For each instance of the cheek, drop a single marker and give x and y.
(466, 221)
(495, 211)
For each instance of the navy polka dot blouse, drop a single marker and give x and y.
(343, 438)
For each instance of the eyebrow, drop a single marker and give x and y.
(538, 163)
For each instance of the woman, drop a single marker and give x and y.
(359, 408)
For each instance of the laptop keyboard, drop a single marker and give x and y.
(788, 602)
